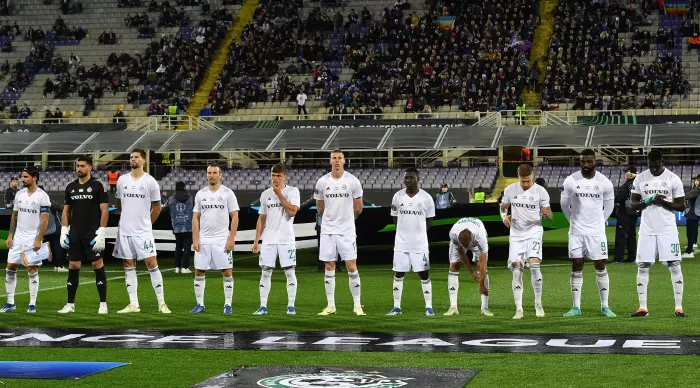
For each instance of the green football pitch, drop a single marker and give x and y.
(182, 368)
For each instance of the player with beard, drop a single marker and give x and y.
(587, 201)
(138, 198)
(84, 220)
(658, 234)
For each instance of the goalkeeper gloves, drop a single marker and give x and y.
(65, 241)
(649, 200)
(98, 243)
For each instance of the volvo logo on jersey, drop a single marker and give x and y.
(25, 210)
(524, 205)
(411, 212)
(338, 195)
(81, 196)
(134, 195)
(274, 205)
(587, 195)
(652, 192)
(212, 207)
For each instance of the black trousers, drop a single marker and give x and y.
(57, 251)
(626, 237)
(183, 249)
(691, 231)
(300, 108)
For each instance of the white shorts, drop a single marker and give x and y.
(454, 256)
(14, 256)
(523, 250)
(588, 247)
(213, 256)
(666, 247)
(270, 252)
(405, 261)
(332, 245)
(134, 247)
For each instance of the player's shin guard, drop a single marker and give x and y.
(517, 286)
(536, 279)
(576, 285)
(101, 284)
(453, 287)
(427, 286)
(33, 287)
(397, 291)
(199, 283)
(291, 286)
(642, 283)
(10, 285)
(329, 283)
(485, 298)
(265, 283)
(157, 283)
(677, 280)
(72, 284)
(603, 281)
(132, 285)
(355, 287)
(228, 291)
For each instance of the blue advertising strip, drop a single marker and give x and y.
(53, 369)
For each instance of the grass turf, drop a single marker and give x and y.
(155, 368)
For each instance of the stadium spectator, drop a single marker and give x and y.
(107, 37)
(301, 103)
(626, 230)
(10, 193)
(444, 199)
(692, 214)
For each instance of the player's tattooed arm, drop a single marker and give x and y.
(42, 226)
(547, 213)
(320, 206)
(155, 211)
(13, 224)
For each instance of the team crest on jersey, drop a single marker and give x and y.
(141, 188)
(345, 187)
(349, 379)
(89, 189)
(532, 198)
(596, 188)
(664, 184)
(204, 200)
(219, 199)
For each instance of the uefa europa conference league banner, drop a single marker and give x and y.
(47, 128)
(293, 124)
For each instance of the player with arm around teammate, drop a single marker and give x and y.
(278, 206)
(528, 203)
(658, 192)
(468, 234)
(212, 240)
(413, 210)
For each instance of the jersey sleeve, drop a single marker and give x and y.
(45, 204)
(544, 197)
(318, 191)
(295, 198)
(67, 200)
(429, 207)
(609, 193)
(263, 204)
(481, 243)
(394, 205)
(118, 193)
(567, 188)
(677, 188)
(506, 195)
(637, 185)
(232, 202)
(195, 209)
(356, 188)
(154, 191)
(101, 193)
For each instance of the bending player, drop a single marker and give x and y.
(338, 196)
(658, 233)
(84, 220)
(138, 199)
(413, 210)
(278, 206)
(528, 204)
(30, 218)
(469, 234)
(212, 240)
(587, 201)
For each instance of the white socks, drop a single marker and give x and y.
(517, 286)
(427, 287)
(33, 287)
(397, 290)
(132, 285)
(355, 287)
(536, 280)
(453, 287)
(157, 283)
(485, 298)
(642, 283)
(199, 285)
(228, 290)
(265, 283)
(603, 281)
(576, 285)
(329, 283)
(10, 285)
(291, 286)
(677, 280)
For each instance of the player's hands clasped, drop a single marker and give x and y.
(98, 243)
(65, 240)
(256, 248)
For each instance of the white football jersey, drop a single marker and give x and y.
(655, 219)
(136, 197)
(214, 210)
(338, 196)
(480, 243)
(587, 197)
(279, 226)
(525, 206)
(411, 213)
(29, 210)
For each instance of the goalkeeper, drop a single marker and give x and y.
(84, 221)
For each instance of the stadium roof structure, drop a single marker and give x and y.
(352, 139)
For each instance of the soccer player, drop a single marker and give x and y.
(528, 204)
(413, 210)
(587, 201)
(338, 196)
(278, 206)
(212, 240)
(30, 218)
(85, 216)
(658, 192)
(138, 199)
(469, 234)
